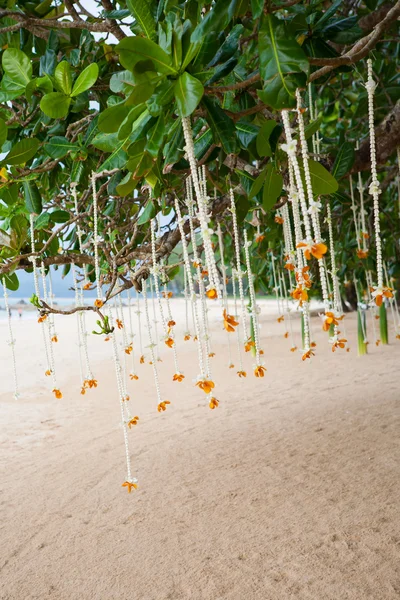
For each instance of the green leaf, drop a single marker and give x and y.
(105, 142)
(215, 20)
(17, 66)
(344, 160)
(163, 95)
(283, 64)
(62, 77)
(229, 46)
(110, 119)
(59, 146)
(272, 187)
(148, 213)
(59, 216)
(155, 137)
(126, 186)
(222, 126)
(86, 79)
(55, 105)
(3, 132)
(11, 281)
(142, 91)
(323, 183)
(313, 127)
(222, 70)
(246, 133)
(262, 143)
(257, 8)
(133, 50)
(33, 199)
(42, 221)
(188, 93)
(122, 82)
(258, 183)
(142, 11)
(22, 152)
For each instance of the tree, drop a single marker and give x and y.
(106, 93)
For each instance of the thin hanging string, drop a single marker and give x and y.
(11, 341)
(224, 290)
(132, 352)
(253, 304)
(124, 344)
(196, 321)
(139, 315)
(239, 273)
(363, 232)
(391, 300)
(96, 239)
(187, 334)
(354, 209)
(288, 312)
(48, 324)
(155, 321)
(359, 306)
(241, 372)
(178, 375)
(78, 323)
(33, 260)
(202, 291)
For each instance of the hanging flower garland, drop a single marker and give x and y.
(247, 341)
(381, 291)
(130, 349)
(230, 322)
(259, 367)
(99, 300)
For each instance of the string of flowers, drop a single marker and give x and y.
(296, 197)
(204, 381)
(99, 300)
(139, 314)
(239, 273)
(132, 375)
(381, 291)
(315, 247)
(120, 321)
(11, 341)
(333, 318)
(213, 287)
(80, 343)
(161, 404)
(363, 233)
(126, 419)
(293, 346)
(56, 390)
(200, 274)
(229, 321)
(42, 317)
(155, 321)
(178, 375)
(259, 367)
(241, 373)
(187, 335)
(281, 317)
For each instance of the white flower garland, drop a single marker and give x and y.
(239, 273)
(11, 342)
(224, 290)
(253, 304)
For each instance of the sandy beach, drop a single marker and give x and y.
(288, 490)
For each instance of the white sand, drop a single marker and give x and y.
(290, 489)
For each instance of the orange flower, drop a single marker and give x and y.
(377, 317)
(178, 377)
(187, 337)
(213, 403)
(280, 319)
(120, 324)
(229, 322)
(211, 354)
(54, 339)
(249, 345)
(398, 336)
(129, 485)
(362, 254)
(242, 374)
(231, 366)
(289, 266)
(167, 294)
(212, 294)
(48, 372)
(128, 349)
(204, 273)
(142, 360)
(195, 339)
(293, 349)
(92, 383)
(87, 286)
(330, 319)
(57, 393)
(279, 220)
(99, 303)
(364, 235)
(347, 349)
(42, 318)
(377, 342)
(317, 250)
(300, 294)
(261, 351)
(307, 354)
(133, 376)
(380, 292)
(169, 342)
(163, 405)
(83, 390)
(286, 335)
(259, 239)
(126, 398)
(259, 371)
(133, 421)
(196, 264)
(171, 323)
(206, 385)
(313, 345)
(107, 338)
(338, 343)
